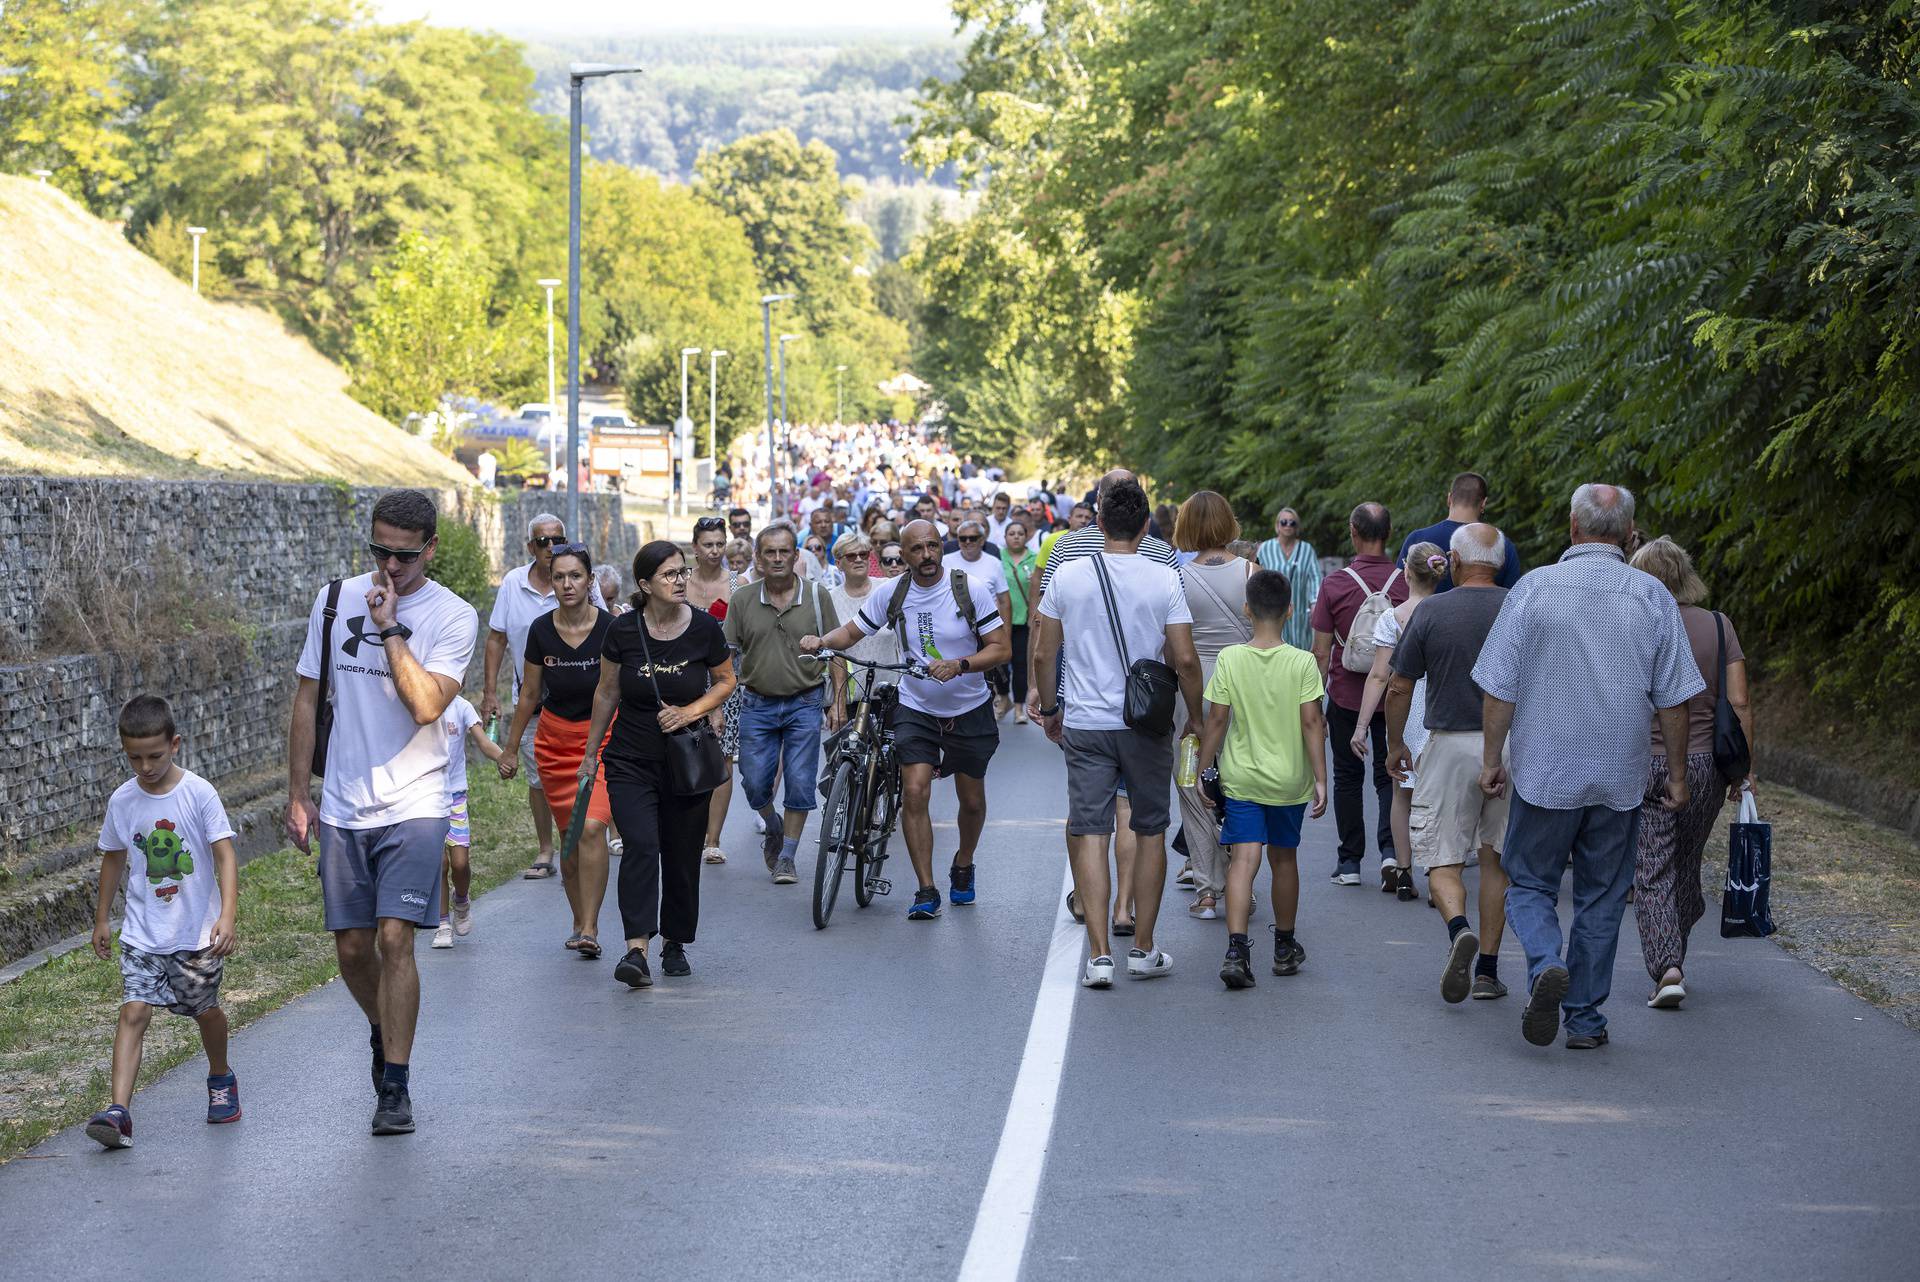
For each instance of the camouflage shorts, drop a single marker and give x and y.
(184, 983)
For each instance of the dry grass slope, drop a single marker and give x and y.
(109, 365)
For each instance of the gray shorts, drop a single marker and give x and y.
(1099, 762)
(369, 873)
(184, 983)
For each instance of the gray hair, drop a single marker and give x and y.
(1610, 518)
(1472, 551)
(608, 578)
(545, 518)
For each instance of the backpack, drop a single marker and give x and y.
(1356, 652)
(957, 582)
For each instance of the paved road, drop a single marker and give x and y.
(830, 1104)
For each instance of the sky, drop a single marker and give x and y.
(586, 17)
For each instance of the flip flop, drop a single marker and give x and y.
(538, 870)
(1122, 929)
(1073, 911)
(589, 947)
(574, 941)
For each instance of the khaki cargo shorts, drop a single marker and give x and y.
(1451, 818)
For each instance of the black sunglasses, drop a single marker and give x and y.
(893, 560)
(547, 540)
(571, 549)
(1288, 524)
(405, 556)
(973, 538)
(706, 523)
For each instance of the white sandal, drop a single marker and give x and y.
(714, 855)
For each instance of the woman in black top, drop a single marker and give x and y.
(664, 643)
(562, 672)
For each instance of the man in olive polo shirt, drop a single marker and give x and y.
(780, 709)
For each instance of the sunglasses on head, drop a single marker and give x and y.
(547, 540)
(571, 549)
(405, 556)
(706, 523)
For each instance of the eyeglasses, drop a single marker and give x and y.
(547, 540)
(405, 556)
(680, 575)
(893, 560)
(1288, 525)
(973, 538)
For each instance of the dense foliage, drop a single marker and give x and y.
(1317, 252)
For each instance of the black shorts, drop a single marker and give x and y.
(960, 745)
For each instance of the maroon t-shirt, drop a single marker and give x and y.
(1339, 601)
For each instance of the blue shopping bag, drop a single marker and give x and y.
(1743, 905)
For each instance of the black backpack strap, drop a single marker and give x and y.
(961, 585)
(897, 607)
(328, 613)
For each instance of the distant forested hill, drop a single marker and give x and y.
(849, 90)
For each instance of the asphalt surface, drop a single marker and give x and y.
(829, 1104)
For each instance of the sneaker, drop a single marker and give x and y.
(111, 1127)
(616, 847)
(443, 935)
(1668, 996)
(770, 846)
(1185, 876)
(1286, 956)
(393, 1115)
(926, 904)
(673, 960)
(1486, 988)
(632, 970)
(783, 871)
(1145, 965)
(1540, 1021)
(1098, 974)
(960, 884)
(1403, 887)
(1236, 972)
(463, 917)
(1586, 1041)
(1456, 981)
(223, 1099)
(1348, 873)
(1389, 876)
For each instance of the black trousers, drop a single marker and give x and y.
(1018, 664)
(663, 832)
(1349, 781)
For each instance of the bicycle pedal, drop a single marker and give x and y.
(881, 887)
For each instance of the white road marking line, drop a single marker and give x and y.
(1005, 1218)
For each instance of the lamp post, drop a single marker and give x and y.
(839, 394)
(196, 233)
(786, 444)
(683, 429)
(713, 402)
(766, 347)
(551, 283)
(41, 174)
(577, 75)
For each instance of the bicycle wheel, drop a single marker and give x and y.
(836, 841)
(880, 812)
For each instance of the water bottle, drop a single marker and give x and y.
(1189, 771)
(493, 728)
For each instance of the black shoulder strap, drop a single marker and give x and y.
(328, 613)
(961, 585)
(1113, 611)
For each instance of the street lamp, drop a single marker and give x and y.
(713, 402)
(551, 283)
(839, 393)
(41, 174)
(683, 429)
(196, 233)
(577, 75)
(786, 438)
(766, 341)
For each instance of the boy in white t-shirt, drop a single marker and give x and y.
(179, 924)
(461, 722)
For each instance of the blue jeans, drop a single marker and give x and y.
(780, 735)
(1602, 843)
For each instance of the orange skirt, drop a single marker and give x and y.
(559, 746)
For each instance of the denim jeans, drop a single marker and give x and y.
(780, 735)
(1603, 843)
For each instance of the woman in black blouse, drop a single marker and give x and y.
(562, 673)
(664, 641)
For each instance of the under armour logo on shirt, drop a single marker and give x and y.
(357, 625)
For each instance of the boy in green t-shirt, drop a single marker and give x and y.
(1265, 706)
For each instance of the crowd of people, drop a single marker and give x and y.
(1195, 682)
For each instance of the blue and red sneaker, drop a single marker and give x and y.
(111, 1127)
(223, 1099)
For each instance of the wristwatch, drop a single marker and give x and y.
(394, 631)
(1047, 712)
(964, 667)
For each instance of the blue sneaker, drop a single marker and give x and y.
(111, 1127)
(223, 1099)
(960, 879)
(926, 904)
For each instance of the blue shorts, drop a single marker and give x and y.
(1268, 825)
(370, 873)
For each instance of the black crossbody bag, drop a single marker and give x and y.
(323, 711)
(1147, 703)
(694, 761)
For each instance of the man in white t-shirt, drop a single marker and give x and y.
(394, 648)
(990, 572)
(1100, 639)
(945, 723)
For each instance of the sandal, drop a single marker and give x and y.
(1204, 907)
(1073, 909)
(1122, 929)
(589, 947)
(573, 942)
(537, 870)
(714, 855)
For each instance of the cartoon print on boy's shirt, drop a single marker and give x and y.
(168, 859)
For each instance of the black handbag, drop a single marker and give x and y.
(1147, 702)
(695, 763)
(1745, 905)
(323, 711)
(1732, 758)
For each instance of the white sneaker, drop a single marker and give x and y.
(1099, 973)
(443, 937)
(1185, 876)
(462, 917)
(1142, 965)
(616, 847)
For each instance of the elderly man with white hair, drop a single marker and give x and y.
(1451, 817)
(1579, 651)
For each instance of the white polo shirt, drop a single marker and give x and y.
(515, 606)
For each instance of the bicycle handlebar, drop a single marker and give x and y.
(828, 656)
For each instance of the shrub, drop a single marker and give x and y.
(460, 562)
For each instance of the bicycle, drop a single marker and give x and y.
(861, 783)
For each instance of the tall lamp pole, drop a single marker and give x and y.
(766, 347)
(683, 429)
(577, 75)
(196, 233)
(713, 402)
(786, 442)
(839, 393)
(551, 283)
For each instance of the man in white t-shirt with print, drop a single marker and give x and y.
(1077, 626)
(988, 571)
(945, 723)
(395, 653)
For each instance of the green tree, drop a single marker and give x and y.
(60, 108)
